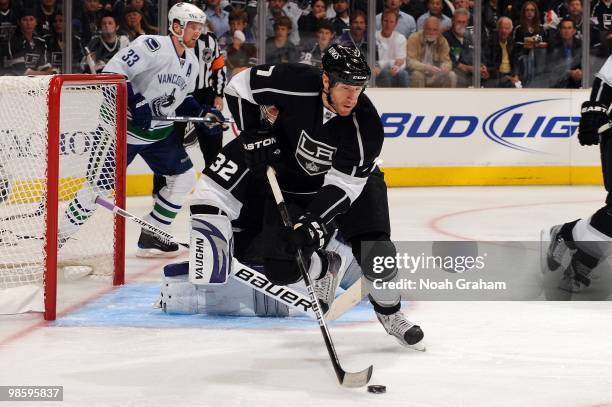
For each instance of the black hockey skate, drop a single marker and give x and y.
(325, 286)
(150, 245)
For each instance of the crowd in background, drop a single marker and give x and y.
(419, 43)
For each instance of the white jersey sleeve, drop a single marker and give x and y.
(153, 68)
(605, 73)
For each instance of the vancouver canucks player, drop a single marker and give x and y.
(161, 73)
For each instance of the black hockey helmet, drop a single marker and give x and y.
(345, 64)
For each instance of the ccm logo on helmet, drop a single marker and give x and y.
(258, 144)
(334, 53)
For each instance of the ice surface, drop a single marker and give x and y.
(109, 347)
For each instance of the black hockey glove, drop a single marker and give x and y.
(309, 234)
(593, 115)
(260, 150)
(140, 111)
(217, 121)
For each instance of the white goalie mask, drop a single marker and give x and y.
(185, 12)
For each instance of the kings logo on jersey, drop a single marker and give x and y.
(314, 156)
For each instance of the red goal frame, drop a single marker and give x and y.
(53, 131)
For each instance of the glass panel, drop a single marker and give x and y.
(317, 31)
(239, 41)
(460, 39)
(601, 36)
(282, 32)
(25, 30)
(532, 44)
(430, 60)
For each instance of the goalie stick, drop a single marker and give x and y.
(347, 379)
(243, 273)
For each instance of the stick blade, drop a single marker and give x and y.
(357, 379)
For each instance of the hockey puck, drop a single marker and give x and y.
(377, 388)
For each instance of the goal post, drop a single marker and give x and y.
(60, 135)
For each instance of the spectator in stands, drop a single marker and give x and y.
(465, 4)
(240, 55)
(8, 24)
(149, 11)
(500, 56)
(564, 58)
(341, 21)
(279, 8)
(238, 21)
(575, 13)
(27, 52)
(325, 36)
(390, 70)
(434, 8)
(218, 17)
(416, 8)
(531, 42)
(428, 57)
(55, 46)
(602, 17)
(279, 49)
(104, 46)
(45, 15)
(85, 24)
(405, 22)
(309, 24)
(490, 14)
(248, 6)
(135, 24)
(356, 36)
(462, 49)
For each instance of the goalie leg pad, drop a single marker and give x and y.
(211, 249)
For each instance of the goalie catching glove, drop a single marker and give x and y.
(593, 116)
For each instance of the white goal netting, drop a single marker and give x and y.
(86, 142)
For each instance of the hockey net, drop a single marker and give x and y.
(59, 135)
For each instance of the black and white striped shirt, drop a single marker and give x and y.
(212, 65)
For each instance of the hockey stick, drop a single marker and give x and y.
(349, 298)
(347, 379)
(246, 275)
(184, 119)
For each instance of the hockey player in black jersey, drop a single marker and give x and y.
(578, 249)
(323, 143)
